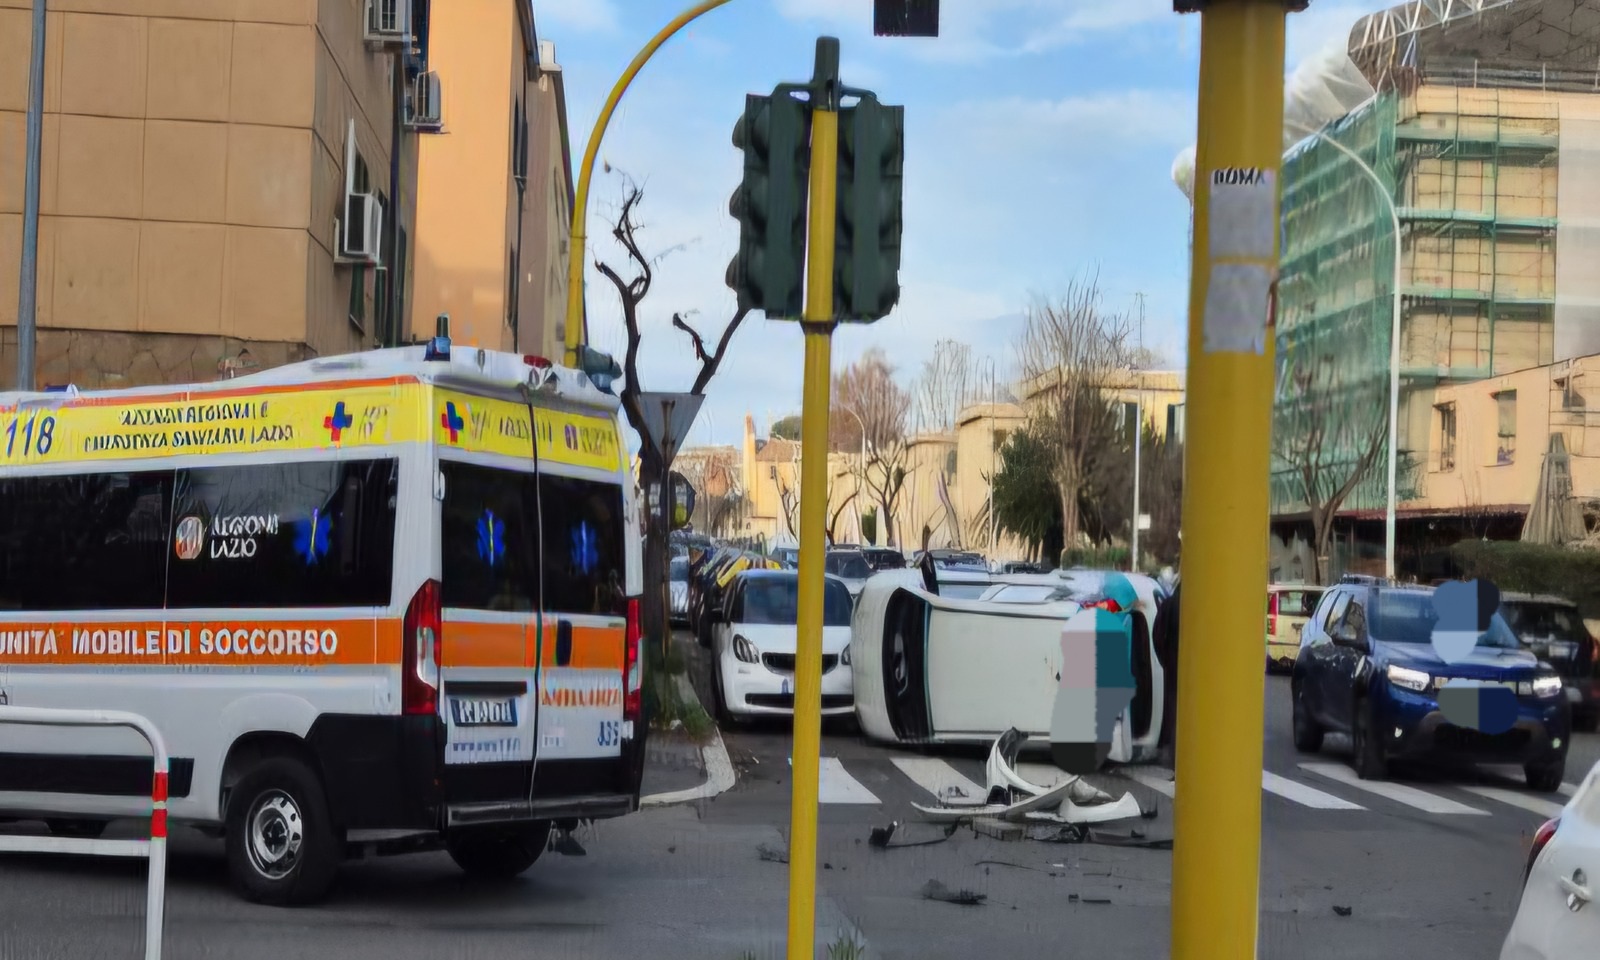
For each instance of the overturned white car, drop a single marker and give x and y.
(934, 668)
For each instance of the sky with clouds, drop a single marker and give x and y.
(1040, 136)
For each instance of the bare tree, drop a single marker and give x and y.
(869, 419)
(720, 501)
(652, 467)
(949, 382)
(1474, 515)
(1327, 438)
(837, 514)
(1070, 352)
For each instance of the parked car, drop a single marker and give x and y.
(884, 558)
(755, 638)
(1367, 667)
(850, 566)
(678, 584)
(1553, 630)
(1289, 606)
(1556, 917)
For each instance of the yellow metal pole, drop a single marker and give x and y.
(1217, 830)
(818, 326)
(580, 196)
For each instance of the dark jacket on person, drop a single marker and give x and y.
(1166, 644)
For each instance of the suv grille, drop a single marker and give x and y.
(784, 662)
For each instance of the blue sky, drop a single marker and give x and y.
(1040, 136)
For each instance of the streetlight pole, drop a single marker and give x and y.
(1394, 338)
(580, 196)
(28, 282)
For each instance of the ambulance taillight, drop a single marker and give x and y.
(419, 674)
(632, 680)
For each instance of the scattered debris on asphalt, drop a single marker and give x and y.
(919, 835)
(1343, 911)
(1078, 833)
(934, 890)
(1004, 863)
(1076, 898)
(772, 854)
(1012, 798)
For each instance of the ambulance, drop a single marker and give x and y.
(374, 603)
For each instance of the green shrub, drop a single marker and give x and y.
(1098, 558)
(1532, 568)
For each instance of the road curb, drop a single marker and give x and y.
(719, 768)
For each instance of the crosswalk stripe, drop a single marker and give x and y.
(835, 785)
(1398, 792)
(1158, 779)
(938, 777)
(1545, 808)
(1306, 796)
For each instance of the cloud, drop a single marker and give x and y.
(583, 16)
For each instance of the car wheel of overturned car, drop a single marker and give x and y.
(281, 845)
(1545, 777)
(501, 853)
(1369, 760)
(1307, 732)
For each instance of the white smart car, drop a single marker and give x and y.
(753, 640)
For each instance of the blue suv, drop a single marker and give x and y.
(1367, 668)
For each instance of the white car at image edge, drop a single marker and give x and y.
(1558, 918)
(753, 643)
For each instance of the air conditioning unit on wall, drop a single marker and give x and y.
(425, 107)
(360, 232)
(388, 22)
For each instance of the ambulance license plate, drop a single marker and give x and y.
(481, 712)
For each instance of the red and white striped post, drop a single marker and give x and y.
(154, 850)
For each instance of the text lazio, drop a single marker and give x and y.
(288, 643)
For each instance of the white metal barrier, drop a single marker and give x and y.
(154, 849)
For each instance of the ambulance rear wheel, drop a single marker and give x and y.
(282, 847)
(500, 853)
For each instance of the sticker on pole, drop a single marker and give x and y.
(1238, 299)
(1243, 213)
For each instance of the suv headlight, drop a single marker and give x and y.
(844, 655)
(1408, 679)
(745, 651)
(1546, 685)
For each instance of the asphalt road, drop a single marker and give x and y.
(1434, 872)
(1429, 864)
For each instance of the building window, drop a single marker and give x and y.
(1447, 436)
(1000, 439)
(950, 464)
(1506, 431)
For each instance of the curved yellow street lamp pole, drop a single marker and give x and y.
(580, 199)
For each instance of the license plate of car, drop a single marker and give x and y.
(483, 712)
(1563, 649)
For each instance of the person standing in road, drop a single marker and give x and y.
(1166, 644)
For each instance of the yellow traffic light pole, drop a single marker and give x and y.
(580, 196)
(818, 324)
(1216, 860)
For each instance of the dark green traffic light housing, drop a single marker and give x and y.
(866, 255)
(768, 273)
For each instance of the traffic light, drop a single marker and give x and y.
(768, 273)
(866, 253)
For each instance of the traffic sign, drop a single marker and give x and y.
(667, 419)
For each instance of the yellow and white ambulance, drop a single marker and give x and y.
(373, 602)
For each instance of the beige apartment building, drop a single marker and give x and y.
(1489, 439)
(495, 192)
(223, 185)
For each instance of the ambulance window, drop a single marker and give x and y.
(584, 557)
(89, 542)
(490, 540)
(313, 534)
